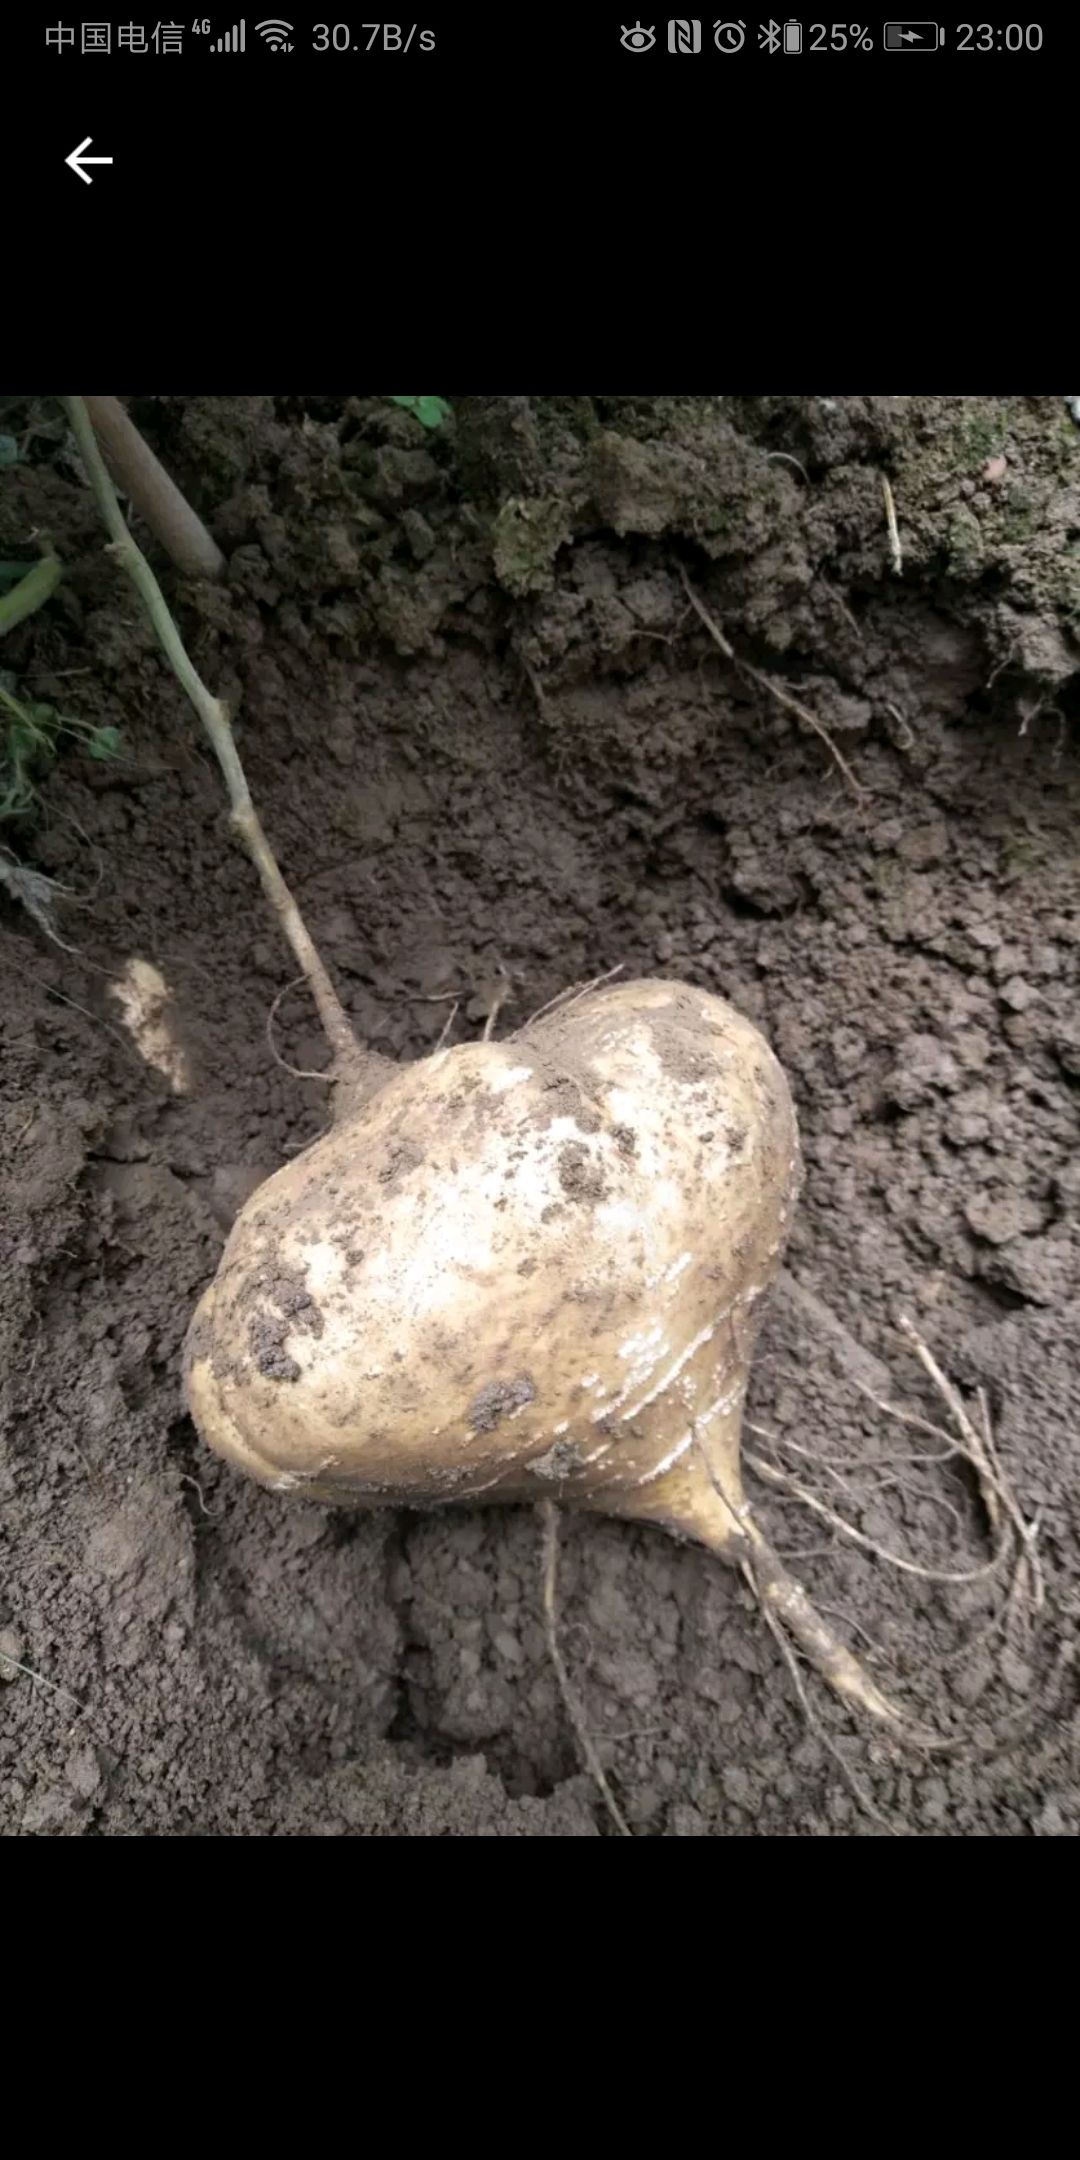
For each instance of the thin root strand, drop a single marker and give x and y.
(299, 1072)
(781, 1596)
(772, 1474)
(772, 689)
(549, 1521)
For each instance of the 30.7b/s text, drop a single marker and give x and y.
(370, 37)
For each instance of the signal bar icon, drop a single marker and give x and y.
(232, 41)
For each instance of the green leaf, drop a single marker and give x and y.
(105, 742)
(430, 411)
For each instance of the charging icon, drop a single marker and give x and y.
(912, 37)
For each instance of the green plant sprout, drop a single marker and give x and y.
(30, 735)
(430, 411)
(31, 731)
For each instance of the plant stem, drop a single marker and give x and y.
(31, 592)
(214, 715)
(155, 496)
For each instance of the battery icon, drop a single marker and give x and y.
(793, 37)
(912, 37)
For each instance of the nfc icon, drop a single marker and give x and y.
(683, 35)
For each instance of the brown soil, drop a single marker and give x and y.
(499, 753)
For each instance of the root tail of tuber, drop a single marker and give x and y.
(715, 1512)
(780, 1595)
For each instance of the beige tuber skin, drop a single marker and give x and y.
(529, 1270)
(524, 1270)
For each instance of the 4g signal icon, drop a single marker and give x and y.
(273, 33)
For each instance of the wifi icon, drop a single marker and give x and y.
(276, 35)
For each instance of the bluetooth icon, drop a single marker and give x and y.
(769, 36)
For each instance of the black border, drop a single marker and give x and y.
(519, 208)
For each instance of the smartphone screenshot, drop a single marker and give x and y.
(539, 928)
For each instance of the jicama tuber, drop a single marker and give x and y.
(524, 1270)
(529, 1269)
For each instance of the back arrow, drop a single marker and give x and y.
(77, 161)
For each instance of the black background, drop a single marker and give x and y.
(533, 196)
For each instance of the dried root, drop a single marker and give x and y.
(773, 689)
(549, 1519)
(782, 1598)
(1013, 1554)
(737, 1538)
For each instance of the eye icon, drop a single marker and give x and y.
(637, 38)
